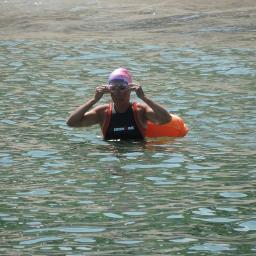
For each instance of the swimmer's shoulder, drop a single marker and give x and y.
(141, 107)
(102, 111)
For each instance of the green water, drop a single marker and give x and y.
(66, 191)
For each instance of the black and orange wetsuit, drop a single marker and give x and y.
(123, 126)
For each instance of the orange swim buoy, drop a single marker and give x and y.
(175, 128)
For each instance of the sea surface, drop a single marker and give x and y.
(66, 191)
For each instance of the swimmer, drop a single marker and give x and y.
(121, 119)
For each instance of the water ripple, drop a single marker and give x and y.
(249, 225)
(40, 240)
(67, 191)
(211, 247)
(68, 230)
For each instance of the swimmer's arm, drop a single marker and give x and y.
(82, 117)
(155, 112)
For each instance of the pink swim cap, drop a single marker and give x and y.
(120, 74)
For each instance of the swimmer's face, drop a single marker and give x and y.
(119, 89)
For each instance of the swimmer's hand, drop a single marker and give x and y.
(138, 89)
(100, 91)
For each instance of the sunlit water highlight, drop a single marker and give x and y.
(66, 191)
